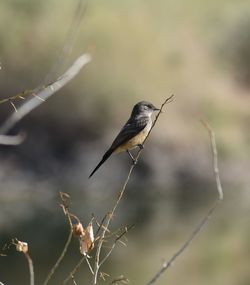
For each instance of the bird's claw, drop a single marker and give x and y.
(141, 146)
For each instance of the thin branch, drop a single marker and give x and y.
(100, 226)
(21, 95)
(23, 247)
(69, 41)
(215, 158)
(13, 105)
(111, 213)
(31, 268)
(45, 93)
(73, 280)
(12, 140)
(59, 260)
(69, 277)
(206, 218)
(114, 244)
(65, 249)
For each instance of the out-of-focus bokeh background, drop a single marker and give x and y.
(142, 50)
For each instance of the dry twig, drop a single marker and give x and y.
(23, 247)
(65, 205)
(45, 93)
(12, 140)
(69, 41)
(204, 221)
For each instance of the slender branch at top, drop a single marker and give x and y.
(69, 41)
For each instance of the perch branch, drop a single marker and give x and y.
(111, 213)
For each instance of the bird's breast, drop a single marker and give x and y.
(136, 140)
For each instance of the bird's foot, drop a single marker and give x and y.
(134, 161)
(141, 146)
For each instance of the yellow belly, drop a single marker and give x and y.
(135, 141)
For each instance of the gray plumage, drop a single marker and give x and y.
(133, 132)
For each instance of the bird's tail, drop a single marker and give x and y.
(104, 158)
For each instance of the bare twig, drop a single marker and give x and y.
(215, 158)
(120, 279)
(31, 268)
(12, 140)
(73, 280)
(114, 244)
(45, 93)
(21, 95)
(23, 247)
(69, 41)
(204, 221)
(65, 249)
(100, 225)
(111, 213)
(13, 105)
(69, 277)
(59, 260)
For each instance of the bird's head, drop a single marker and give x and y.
(144, 108)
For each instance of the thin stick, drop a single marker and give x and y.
(206, 218)
(22, 246)
(45, 93)
(21, 95)
(31, 268)
(65, 249)
(53, 269)
(68, 278)
(68, 42)
(111, 213)
(114, 244)
(215, 158)
(12, 140)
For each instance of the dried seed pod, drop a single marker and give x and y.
(87, 240)
(21, 246)
(78, 230)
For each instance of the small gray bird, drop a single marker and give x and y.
(133, 133)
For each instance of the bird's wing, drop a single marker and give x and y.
(130, 129)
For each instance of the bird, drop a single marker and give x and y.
(133, 133)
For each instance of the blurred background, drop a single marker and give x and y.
(142, 50)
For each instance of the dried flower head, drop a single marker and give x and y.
(78, 230)
(87, 240)
(21, 246)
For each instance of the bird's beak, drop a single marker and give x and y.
(156, 109)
